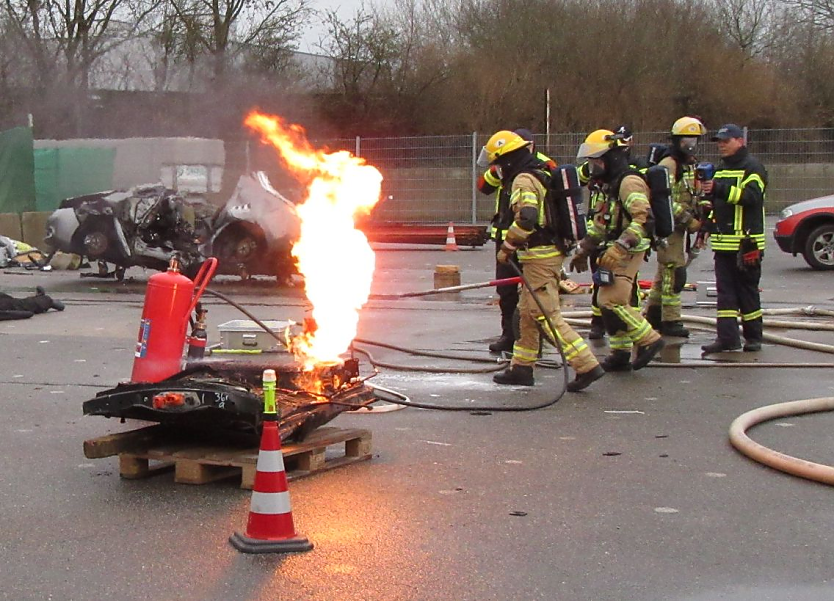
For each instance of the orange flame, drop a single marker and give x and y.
(333, 256)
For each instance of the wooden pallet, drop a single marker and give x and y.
(150, 451)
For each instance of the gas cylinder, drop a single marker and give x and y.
(169, 300)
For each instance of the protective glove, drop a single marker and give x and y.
(505, 252)
(579, 262)
(613, 257)
(693, 225)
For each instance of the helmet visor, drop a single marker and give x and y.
(483, 158)
(689, 144)
(590, 150)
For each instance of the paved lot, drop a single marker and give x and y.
(627, 491)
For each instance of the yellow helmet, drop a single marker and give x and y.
(688, 126)
(596, 144)
(500, 144)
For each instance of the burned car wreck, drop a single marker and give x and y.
(252, 234)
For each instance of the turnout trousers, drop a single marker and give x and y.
(543, 277)
(738, 294)
(670, 277)
(626, 326)
(507, 295)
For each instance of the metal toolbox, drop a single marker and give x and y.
(244, 334)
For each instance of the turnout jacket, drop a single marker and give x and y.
(528, 229)
(738, 196)
(683, 190)
(622, 216)
(490, 183)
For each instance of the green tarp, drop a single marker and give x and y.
(17, 180)
(66, 172)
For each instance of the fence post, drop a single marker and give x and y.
(745, 135)
(358, 148)
(474, 177)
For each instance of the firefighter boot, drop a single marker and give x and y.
(584, 380)
(653, 316)
(719, 346)
(502, 345)
(674, 328)
(645, 353)
(518, 375)
(617, 361)
(55, 304)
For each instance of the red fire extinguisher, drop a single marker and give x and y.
(169, 301)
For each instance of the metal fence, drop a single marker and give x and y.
(431, 179)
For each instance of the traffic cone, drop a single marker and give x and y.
(451, 244)
(270, 527)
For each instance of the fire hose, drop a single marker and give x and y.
(780, 461)
(400, 399)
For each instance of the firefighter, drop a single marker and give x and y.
(619, 227)
(663, 309)
(541, 256)
(736, 226)
(595, 198)
(24, 308)
(490, 183)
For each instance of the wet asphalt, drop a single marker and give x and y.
(629, 490)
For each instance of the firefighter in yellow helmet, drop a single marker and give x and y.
(490, 183)
(664, 304)
(541, 254)
(619, 225)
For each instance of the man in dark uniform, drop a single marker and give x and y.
(736, 226)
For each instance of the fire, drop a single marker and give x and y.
(333, 256)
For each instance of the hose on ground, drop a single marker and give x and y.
(780, 461)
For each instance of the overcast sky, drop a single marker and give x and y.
(346, 9)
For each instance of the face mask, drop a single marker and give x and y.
(688, 145)
(596, 169)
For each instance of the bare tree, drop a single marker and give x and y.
(223, 28)
(747, 23)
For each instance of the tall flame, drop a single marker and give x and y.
(333, 256)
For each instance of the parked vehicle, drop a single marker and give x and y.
(808, 227)
(143, 226)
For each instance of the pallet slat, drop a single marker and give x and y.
(200, 463)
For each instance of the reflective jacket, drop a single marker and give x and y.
(490, 183)
(738, 197)
(622, 216)
(527, 231)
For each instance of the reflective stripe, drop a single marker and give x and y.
(596, 311)
(632, 197)
(753, 177)
(751, 316)
(734, 196)
(492, 180)
(270, 503)
(732, 313)
(525, 354)
(270, 461)
(538, 252)
(620, 343)
(518, 232)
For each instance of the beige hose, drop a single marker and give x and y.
(779, 461)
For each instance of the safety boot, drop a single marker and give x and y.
(645, 353)
(719, 346)
(674, 328)
(584, 380)
(617, 361)
(752, 346)
(518, 375)
(653, 316)
(502, 345)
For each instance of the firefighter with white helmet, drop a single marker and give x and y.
(664, 303)
(619, 225)
(541, 254)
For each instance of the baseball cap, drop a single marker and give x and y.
(725, 132)
(525, 134)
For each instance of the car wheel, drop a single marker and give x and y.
(819, 247)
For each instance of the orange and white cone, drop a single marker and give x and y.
(451, 244)
(270, 528)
